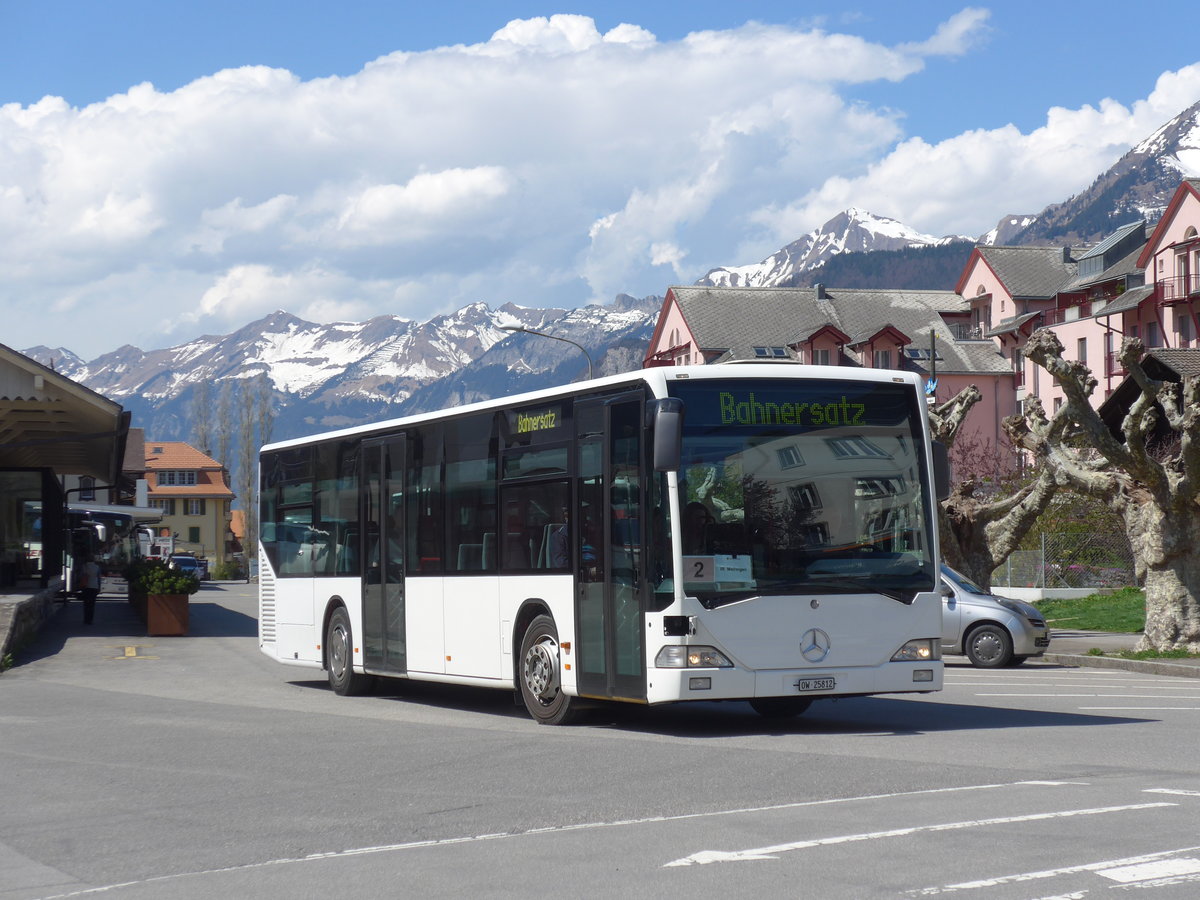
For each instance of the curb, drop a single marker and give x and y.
(1148, 666)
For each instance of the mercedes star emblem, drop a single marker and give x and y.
(814, 645)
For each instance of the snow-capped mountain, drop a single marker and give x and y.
(854, 230)
(326, 376)
(1138, 186)
(346, 373)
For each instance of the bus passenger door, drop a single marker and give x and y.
(381, 524)
(608, 502)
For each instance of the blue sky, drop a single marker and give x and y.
(553, 161)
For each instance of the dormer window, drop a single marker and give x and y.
(176, 477)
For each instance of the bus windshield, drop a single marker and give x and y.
(803, 487)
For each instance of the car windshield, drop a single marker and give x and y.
(803, 486)
(962, 581)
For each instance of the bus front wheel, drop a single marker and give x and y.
(541, 687)
(339, 657)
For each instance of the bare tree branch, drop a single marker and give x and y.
(947, 418)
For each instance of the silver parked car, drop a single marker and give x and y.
(991, 631)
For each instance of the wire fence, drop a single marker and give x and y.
(1082, 560)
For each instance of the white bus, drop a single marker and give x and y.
(762, 533)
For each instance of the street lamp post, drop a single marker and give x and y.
(553, 337)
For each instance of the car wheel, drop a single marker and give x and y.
(989, 647)
(780, 707)
(539, 676)
(339, 657)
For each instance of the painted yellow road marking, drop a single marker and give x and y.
(131, 652)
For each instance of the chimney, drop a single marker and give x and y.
(820, 289)
(1066, 254)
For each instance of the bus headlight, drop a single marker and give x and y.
(921, 650)
(676, 656)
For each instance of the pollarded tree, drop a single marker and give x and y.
(978, 533)
(1151, 483)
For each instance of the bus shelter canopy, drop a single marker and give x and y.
(48, 421)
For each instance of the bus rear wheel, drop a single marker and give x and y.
(781, 707)
(339, 657)
(541, 687)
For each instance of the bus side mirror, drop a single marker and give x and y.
(666, 423)
(941, 470)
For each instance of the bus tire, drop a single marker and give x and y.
(339, 657)
(780, 707)
(538, 675)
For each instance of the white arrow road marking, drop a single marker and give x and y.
(1101, 867)
(704, 857)
(1153, 871)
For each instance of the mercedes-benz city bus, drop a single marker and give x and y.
(761, 533)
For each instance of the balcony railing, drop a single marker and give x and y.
(1178, 289)
(1067, 314)
(966, 332)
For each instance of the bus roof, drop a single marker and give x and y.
(656, 379)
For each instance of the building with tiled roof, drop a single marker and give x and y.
(920, 331)
(1138, 282)
(192, 490)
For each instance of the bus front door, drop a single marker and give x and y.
(381, 523)
(608, 501)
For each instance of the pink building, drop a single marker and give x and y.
(1137, 281)
(924, 331)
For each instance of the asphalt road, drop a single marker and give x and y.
(196, 767)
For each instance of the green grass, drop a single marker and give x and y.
(1120, 611)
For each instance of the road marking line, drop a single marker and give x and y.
(1171, 791)
(551, 829)
(1151, 871)
(1137, 708)
(704, 857)
(1049, 873)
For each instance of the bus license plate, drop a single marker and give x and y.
(815, 684)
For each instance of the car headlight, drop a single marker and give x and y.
(921, 650)
(678, 656)
(1021, 609)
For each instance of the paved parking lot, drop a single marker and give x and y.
(196, 767)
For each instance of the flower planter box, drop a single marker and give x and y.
(166, 614)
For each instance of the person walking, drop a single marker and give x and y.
(90, 589)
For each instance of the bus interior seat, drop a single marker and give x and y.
(489, 550)
(470, 557)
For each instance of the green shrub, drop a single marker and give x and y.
(226, 571)
(153, 576)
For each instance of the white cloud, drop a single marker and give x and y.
(250, 291)
(964, 184)
(552, 164)
(955, 36)
(427, 203)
